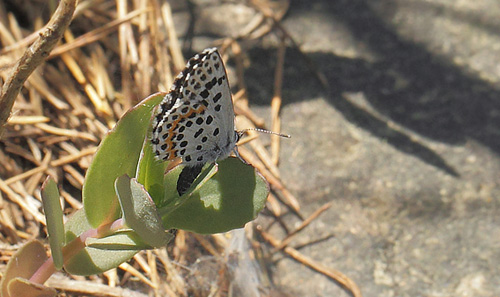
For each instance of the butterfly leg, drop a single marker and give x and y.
(237, 154)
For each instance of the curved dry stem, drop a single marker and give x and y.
(33, 57)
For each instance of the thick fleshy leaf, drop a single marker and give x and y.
(228, 200)
(23, 287)
(125, 240)
(54, 218)
(150, 173)
(23, 264)
(171, 196)
(118, 154)
(92, 260)
(139, 211)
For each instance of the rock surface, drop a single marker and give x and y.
(404, 142)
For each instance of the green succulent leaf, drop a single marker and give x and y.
(118, 154)
(150, 173)
(93, 260)
(233, 196)
(23, 287)
(23, 264)
(222, 198)
(125, 240)
(139, 211)
(54, 218)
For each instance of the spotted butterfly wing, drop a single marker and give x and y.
(195, 120)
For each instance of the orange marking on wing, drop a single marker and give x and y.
(171, 132)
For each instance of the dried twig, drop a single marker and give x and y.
(276, 103)
(304, 224)
(34, 56)
(90, 288)
(268, 13)
(336, 275)
(95, 35)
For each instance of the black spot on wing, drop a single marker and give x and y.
(217, 97)
(211, 83)
(198, 133)
(204, 94)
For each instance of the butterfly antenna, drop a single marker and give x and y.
(264, 131)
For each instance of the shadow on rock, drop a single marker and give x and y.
(419, 92)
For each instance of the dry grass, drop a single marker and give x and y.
(114, 54)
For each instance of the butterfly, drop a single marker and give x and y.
(195, 120)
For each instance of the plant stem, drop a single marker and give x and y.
(74, 247)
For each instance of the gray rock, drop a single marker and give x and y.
(404, 142)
